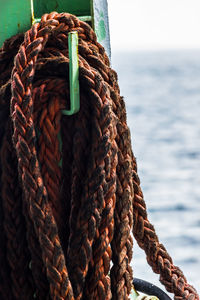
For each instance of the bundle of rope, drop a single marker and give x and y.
(67, 211)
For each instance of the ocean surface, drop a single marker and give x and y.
(162, 96)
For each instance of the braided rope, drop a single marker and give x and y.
(122, 242)
(80, 217)
(49, 156)
(5, 280)
(95, 192)
(7, 53)
(14, 224)
(34, 189)
(121, 273)
(100, 263)
(158, 258)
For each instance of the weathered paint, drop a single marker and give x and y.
(136, 296)
(101, 24)
(85, 18)
(76, 7)
(15, 17)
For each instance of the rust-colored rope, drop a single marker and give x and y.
(121, 273)
(158, 258)
(79, 217)
(94, 193)
(48, 108)
(14, 223)
(5, 280)
(13, 258)
(98, 281)
(34, 190)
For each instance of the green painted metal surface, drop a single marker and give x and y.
(100, 23)
(76, 7)
(134, 294)
(15, 17)
(85, 18)
(73, 74)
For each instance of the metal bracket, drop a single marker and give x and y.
(73, 74)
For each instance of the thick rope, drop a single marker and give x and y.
(5, 280)
(14, 223)
(77, 218)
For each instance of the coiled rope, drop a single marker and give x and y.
(61, 227)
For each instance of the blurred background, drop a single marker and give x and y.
(155, 48)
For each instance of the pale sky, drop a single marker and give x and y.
(154, 24)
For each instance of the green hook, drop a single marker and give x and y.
(73, 74)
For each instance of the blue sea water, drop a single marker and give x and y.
(162, 95)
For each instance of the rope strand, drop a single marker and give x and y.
(14, 223)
